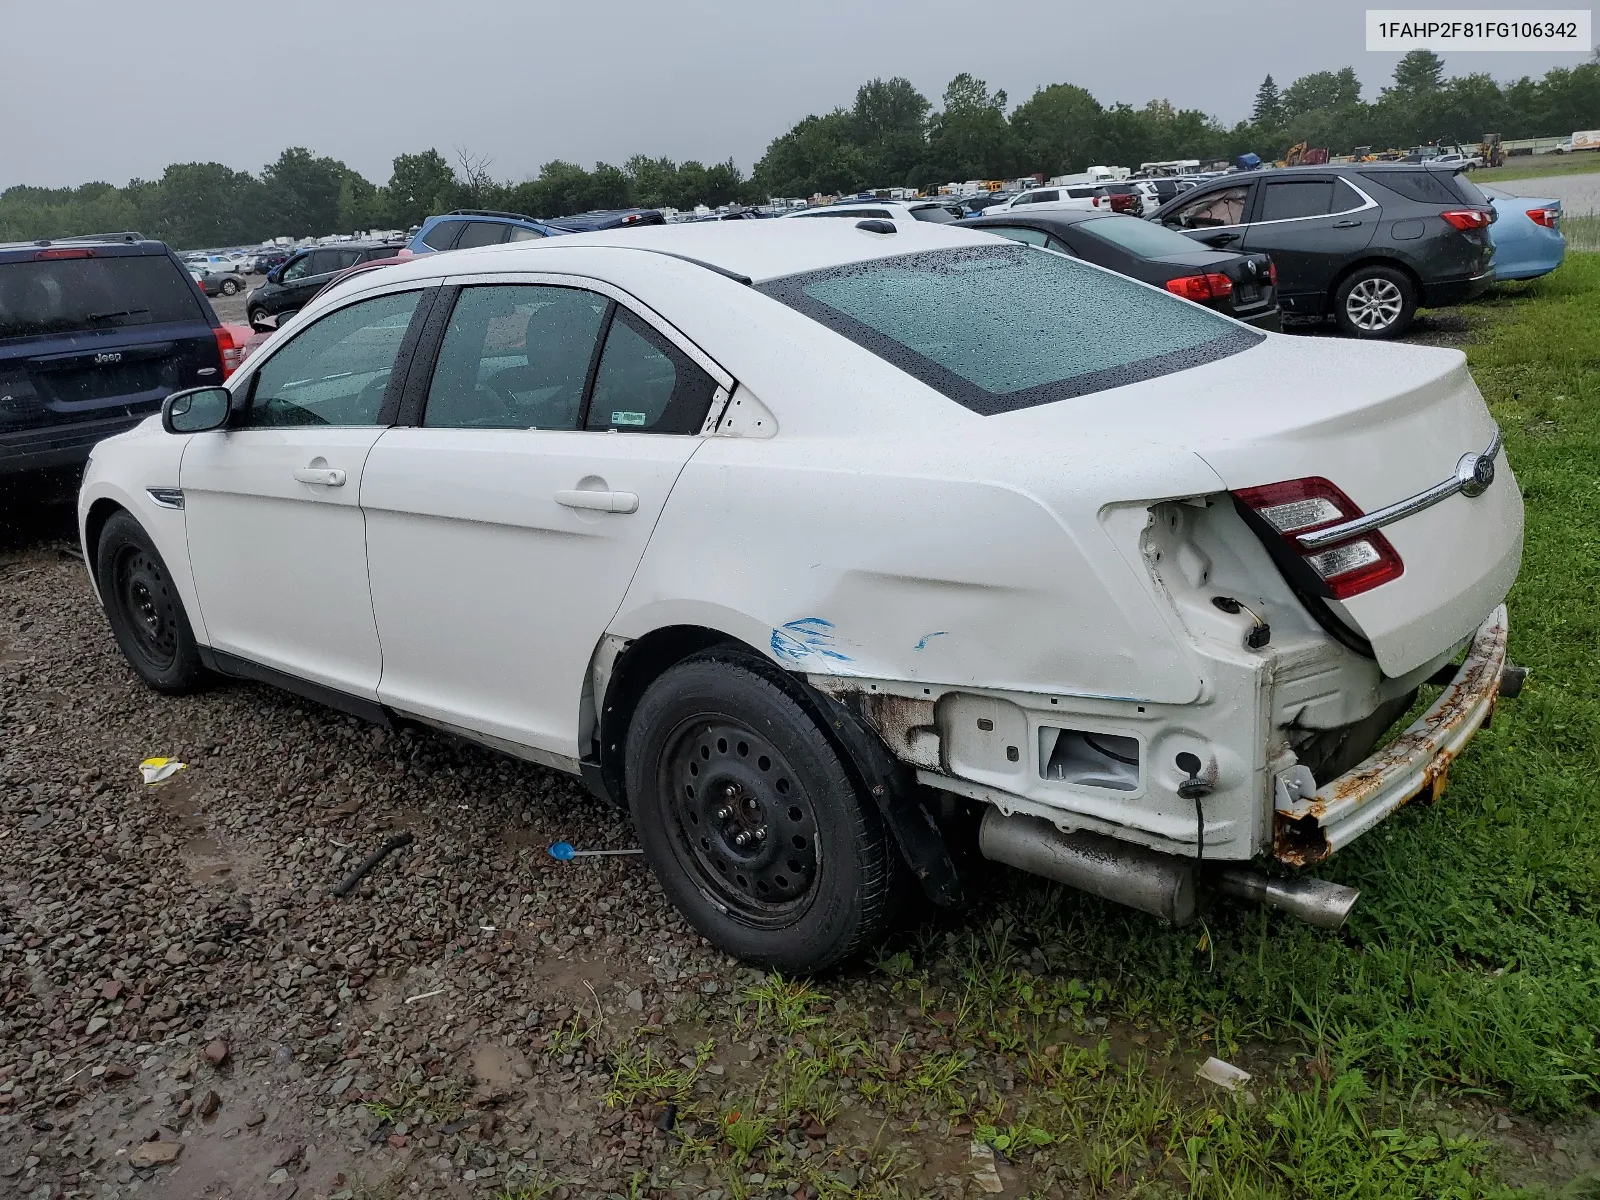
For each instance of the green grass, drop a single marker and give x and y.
(1582, 233)
(1546, 164)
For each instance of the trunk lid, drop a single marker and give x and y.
(1382, 422)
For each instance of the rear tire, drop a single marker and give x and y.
(144, 609)
(258, 319)
(1375, 302)
(751, 822)
(229, 288)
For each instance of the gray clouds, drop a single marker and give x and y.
(95, 90)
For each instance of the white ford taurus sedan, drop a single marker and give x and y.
(825, 546)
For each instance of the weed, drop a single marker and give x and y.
(787, 1003)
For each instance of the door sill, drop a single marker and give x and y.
(235, 667)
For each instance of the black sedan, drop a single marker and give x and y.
(1244, 286)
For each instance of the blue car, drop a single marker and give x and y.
(1526, 234)
(465, 227)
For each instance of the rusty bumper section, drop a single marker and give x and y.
(1415, 763)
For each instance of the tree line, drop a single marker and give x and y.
(891, 136)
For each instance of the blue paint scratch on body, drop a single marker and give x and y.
(799, 640)
(922, 642)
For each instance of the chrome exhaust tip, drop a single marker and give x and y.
(1315, 901)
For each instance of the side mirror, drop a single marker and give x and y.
(196, 410)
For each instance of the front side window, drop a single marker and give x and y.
(1290, 198)
(1224, 207)
(515, 357)
(1002, 327)
(298, 268)
(521, 233)
(645, 384)
(335, 371)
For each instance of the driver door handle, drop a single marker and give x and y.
(611, 502)
(326, 476)
(1345, 224)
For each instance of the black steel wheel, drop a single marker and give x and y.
(750, 819)
(741, 819)
(144, 608)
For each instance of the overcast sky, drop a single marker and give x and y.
(100, 90)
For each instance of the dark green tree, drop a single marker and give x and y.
(1268, 110)
(1418, 72)
(1057, 131)
(1322, 91)
(302, 192)
(419, 186)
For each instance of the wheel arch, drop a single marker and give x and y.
(1371, 259)
(94, 524)
(876, 772)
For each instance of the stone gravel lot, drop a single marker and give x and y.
(185, 1011)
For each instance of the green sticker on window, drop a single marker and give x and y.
(627, 418)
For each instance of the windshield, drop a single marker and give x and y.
(1144, 238)
(1009, 326)
(69, 295)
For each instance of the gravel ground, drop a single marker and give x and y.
(184, 1008)
(1579, 194)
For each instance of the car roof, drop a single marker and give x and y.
(747, 250)
(131, 244)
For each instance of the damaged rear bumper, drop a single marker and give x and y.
(1308, 829)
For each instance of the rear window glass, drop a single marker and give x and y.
(1423, 186)
(936, 213)
(1144, 238)
(1002, 327)
(68, 295)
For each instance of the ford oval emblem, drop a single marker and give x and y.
(1481, 477)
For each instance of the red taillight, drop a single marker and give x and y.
(1211, 286)
(231, 355)
(74, 253)
(1544, 216)
(1467, 218)
(1272, 273)
(1302, 506)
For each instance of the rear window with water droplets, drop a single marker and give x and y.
(998, 328)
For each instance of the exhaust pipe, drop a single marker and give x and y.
(1323, 904)
(1160, 884)
(1152, 882)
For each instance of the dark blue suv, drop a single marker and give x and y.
(95, 332)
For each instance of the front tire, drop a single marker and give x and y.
(145, 610)
(1375, 302)
(229, 287)
(751, 822)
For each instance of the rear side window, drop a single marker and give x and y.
(481, 233)
(1003, 327)
(645, 384)
(1288, 199)
(443, 235)
(71, 295)
(515, 356)
(1424, 186)
(521, 233)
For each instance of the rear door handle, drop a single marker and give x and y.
(326, 476)
(612, 502)
(1345, 224)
